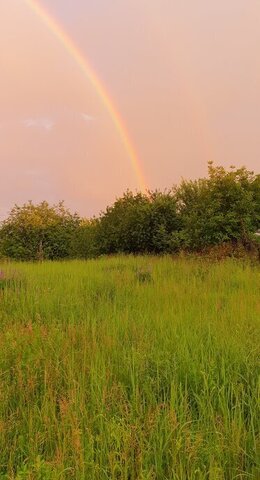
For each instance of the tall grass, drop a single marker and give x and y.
(129, 368)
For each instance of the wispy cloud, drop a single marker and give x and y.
(42, 123)
(87, 118)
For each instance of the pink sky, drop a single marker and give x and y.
(185, 77)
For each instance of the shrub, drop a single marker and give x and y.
(38, 232)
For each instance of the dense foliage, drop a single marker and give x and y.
(225, 207)
(37, 232)
(138, 223)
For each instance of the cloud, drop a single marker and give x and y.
(42, 123)
(87, 118)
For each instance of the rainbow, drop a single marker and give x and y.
(91, 75)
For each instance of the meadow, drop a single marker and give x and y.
(129, 368)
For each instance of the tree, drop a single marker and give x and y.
(124, 227)
(84, 239)
(164, 220)
(37, 232)
(139, 223)
(224, 207)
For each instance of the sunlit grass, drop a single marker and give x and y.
(129, 368)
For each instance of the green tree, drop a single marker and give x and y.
(139, 223)
(124, 227)
(164, 221)
(224, 207)
(37, 232)
(84, 239)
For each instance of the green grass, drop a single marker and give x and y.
(129, 368)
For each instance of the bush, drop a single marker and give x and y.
(84, 239)
(223, 209)
(38, 232)
(138, 223)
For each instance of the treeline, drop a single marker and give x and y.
(223, 208)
